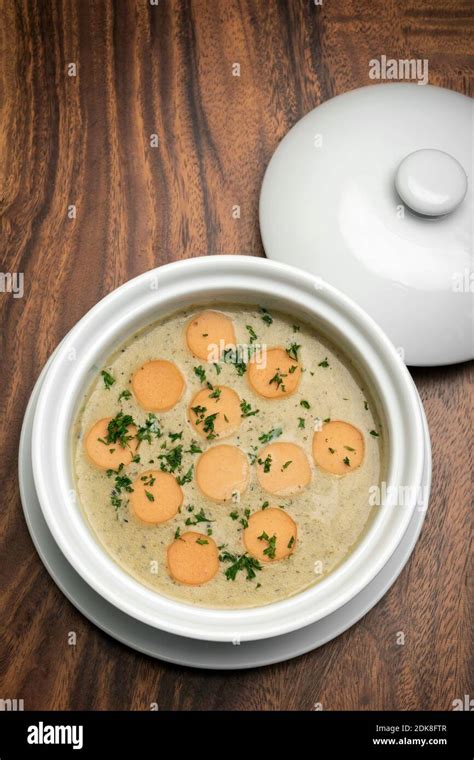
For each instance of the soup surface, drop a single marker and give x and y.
(224, 456)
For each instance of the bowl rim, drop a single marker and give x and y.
(164, 289)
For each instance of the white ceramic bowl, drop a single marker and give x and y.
(205, 280)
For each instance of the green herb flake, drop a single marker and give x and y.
(117, 430)
(171, 460)
(199, 517)
(108, 379)
(194, 448)
(231, 356)
(278, 380)
(246, 409)
(186, 478)
(240, 563)
(270, 551)
(271, 435)
(266, 316)
(292, 351)
(150, 429)
(208, 426)
(252, 334)
(200, 373)
(266, 463)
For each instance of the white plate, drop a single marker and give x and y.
(186, 651)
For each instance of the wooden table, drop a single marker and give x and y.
(89, 202)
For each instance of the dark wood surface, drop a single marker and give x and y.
(85, 141)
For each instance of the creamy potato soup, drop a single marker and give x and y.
(224, 456)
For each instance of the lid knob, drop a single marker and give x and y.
(431, 182)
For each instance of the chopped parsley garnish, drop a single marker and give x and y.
(333, 451)
(117, 430)
(200, 372)
(287, 464)
(175, 436)
(292, 351)
(271, 435)
(270, 551)
(290, 542)
(126, 394)
(199, 411)
(346, 461)
(122, 483)
(177, 534)
(374, 433)
(266, 316)
(234, 515)
(194, 448)
(301, 422)
(240, 563)
(216, 393)
(186, 478)
(278, 380)
(305, 404)
(246, 409)
(265, 504)
(349, 448)
(149, 429)
(296, 328)
(208, 426)
(108, 379)
(149, 496)
(252, 455)
(244, 521)
(171, 460)
(366, 406)
(231, 356)
(324, 363)
(266, 463)
(217, 367)
(201, 541)
(252, 334)
(199, 517)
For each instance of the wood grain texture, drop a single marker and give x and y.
(166, 70)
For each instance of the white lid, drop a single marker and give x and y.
(372, 192)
